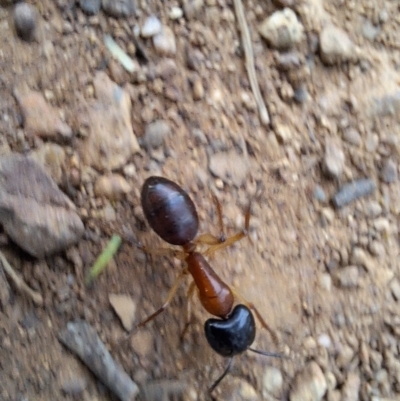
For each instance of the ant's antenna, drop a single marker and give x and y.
(266, 353)
(215, 384)
(228, 368)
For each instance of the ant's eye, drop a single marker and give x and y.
(233, 335)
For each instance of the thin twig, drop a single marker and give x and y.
(19, 282)
(82, 340)
(249, 57)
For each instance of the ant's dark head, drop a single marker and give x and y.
(233, 335)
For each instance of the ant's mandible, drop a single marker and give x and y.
(172, 215)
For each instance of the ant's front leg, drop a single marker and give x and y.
(169, 252)
(234, 238)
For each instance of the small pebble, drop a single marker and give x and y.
(381, 224)
(74, 386)
(371, 142)
(198, 89)
(125, 308)
(155, 134)
(108, 213)
(345, 356)
(152, 26)
(112, 186)
(39, 117)
(352, 136)
(330, 380)
(309, 384)
(389, 173)
(288, 61)
(230, 167)
(52, 157)
(347, 277)
(388, 105)
(283, 133)
(351, 388)
(192, 8)
(199, 136)
(25, 20)
(395, 289)
(118, 8)
(352, 191)
(335, 46)
(90, 7)
(129, 170)
(373, 209)
(175, 13)
(282, 29)
(328, 214)
(334, 395)
(319, 194)
(325, 341)
(383, 16)
(238, 389)
(377, 249)
(334, 158)
(164, 42)
(309, 343)
(360, 257)
(369, 31)
(301, 94)
(272, 380)
(164, 390)
(325, 281)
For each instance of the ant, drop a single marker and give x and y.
(171, 213)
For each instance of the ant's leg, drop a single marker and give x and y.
(222, 236)
(251, 306)
(234, 238)
(170, 252)
(210, 239)
(190, 294)
(170, 295)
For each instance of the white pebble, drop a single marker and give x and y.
(164, 42)
(324, 341)
(309, 384)
(381, 224)
(336, 46)
(175, 13)
(272, 381)
(151, 27)
(129, 170)
(334, 160)
(325, 281)
(282, 29)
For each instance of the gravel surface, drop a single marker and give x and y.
(99, 95)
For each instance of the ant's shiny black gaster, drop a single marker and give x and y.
(232, 335)
(169, 210)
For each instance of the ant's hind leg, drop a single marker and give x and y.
(190, 294)
(252, 307)
(170, 295)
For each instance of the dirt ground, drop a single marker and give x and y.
(324, 278)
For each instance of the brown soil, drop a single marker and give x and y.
(294, 246)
